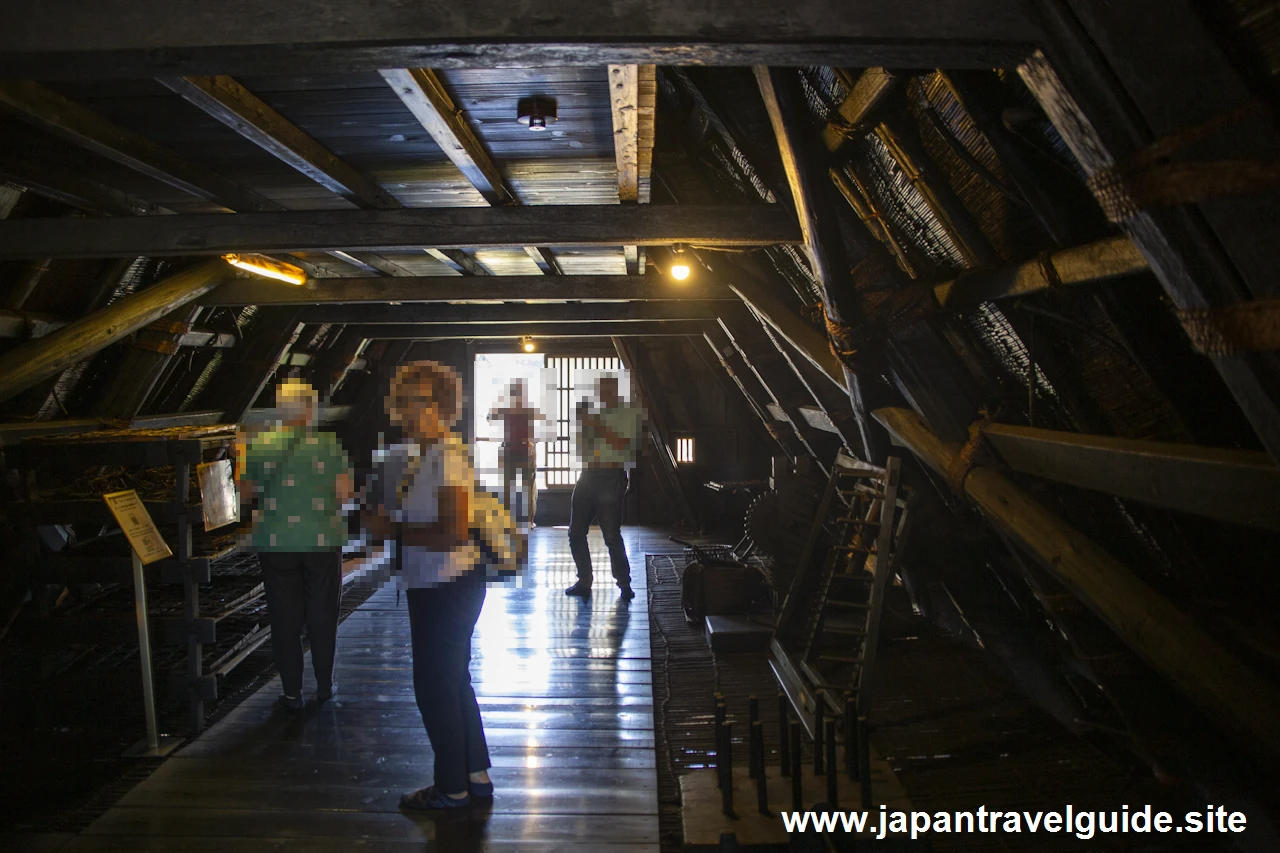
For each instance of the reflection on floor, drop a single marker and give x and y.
(565, 692)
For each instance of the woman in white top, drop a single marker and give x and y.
(423, 500)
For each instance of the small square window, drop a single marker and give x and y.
(684, 450)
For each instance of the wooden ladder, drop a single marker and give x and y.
(824, 650)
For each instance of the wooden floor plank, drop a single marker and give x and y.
(565, 690)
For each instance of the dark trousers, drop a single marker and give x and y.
(441, 621)
(303, 587)
(598, 496)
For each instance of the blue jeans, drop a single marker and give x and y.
(598, 495)
(441, 621)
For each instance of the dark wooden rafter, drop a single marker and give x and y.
(907, 151)
(28, 364)
(628, 328)
(1211, 256)
(813, 344)
(460, 261)
(257, 362)
(1100, 260)
(830, 410)
(81, 126)
(227, 101)
(682, 309)
(58, 41)
(868, 92)
(405, 230)
(61, 184)
(824, 242)
(641, 378)
(1235, 486)
(732, 390)
(425, 289)
(776, 377)
(248, 115)
(424, 93)
(146, 364)
(1210, 675)
(756, 393)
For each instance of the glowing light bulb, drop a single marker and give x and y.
(528, 344)
(679, 271)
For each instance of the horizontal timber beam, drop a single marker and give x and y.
(1097, 261)
(684, 309)
(407, 230)
(435, 331)
(58, 39)
(28, 364)
(1154, 627)
(507, 288)
(1236, 486)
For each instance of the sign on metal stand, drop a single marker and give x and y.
(147, 546)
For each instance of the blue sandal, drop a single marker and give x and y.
(482, 790)
(429, 799)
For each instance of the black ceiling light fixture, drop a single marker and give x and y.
(537, 111)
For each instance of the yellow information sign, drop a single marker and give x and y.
(132, 516)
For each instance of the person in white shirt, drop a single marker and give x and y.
(609, 439)
(423, 496)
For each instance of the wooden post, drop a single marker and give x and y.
(1153, 627)
(26, 365)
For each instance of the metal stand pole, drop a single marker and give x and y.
(833, 776)
(784, 737)
(753, 717)
(155, 744)
(850, 722)
(720, 744)
(819, 710)
(797, 775)
(864, 760)
(144, 651)
(726, 791)
(762, 790)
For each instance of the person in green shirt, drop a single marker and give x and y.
(301, 477)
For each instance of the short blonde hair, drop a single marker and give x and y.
(426, 383)
(296, 394)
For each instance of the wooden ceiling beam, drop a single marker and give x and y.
(508, 288)
(424, 93)
(82, 126)
(633, 91)
(54, 181)
(146, 38)
(406, 230)
(426, 97)
(441, 331)
(595, 312)
(460, 261)
(227, 101)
